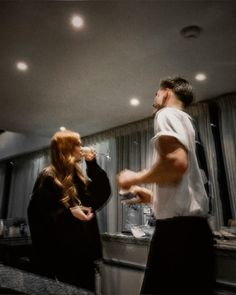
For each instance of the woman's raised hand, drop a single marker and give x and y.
(88, 153)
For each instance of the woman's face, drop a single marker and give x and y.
(77, 153)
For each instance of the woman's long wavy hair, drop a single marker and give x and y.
(63, 165)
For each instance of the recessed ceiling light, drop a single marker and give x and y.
(77, 21)
(200, 77)
(134, 101)
(22, 66)
(191, 32)
(62, 128)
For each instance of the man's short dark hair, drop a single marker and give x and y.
(181, 88)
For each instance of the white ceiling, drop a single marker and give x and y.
(83, 80)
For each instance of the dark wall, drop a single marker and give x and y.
(13, 144)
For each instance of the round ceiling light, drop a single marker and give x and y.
(200, 77)
(77, 21)
(22, 66)
(134, 101)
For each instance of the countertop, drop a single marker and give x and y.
(125, 238)
(22, 282)
(221, 244)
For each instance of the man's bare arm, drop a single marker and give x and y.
(169, 168)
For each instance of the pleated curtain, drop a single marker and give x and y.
(227, 125)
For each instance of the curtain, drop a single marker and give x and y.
(2, 183)
(227, 125)
(24, 174)
(200, 113)
(104, 145)
(134, 152)
(128, 147)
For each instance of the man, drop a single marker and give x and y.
(181, 256)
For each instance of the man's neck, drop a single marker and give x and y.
(175, 103)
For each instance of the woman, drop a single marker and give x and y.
(61, 213)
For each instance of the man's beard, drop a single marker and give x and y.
(157, 109)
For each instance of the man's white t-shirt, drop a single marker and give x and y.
(188, 197)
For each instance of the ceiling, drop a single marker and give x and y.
(83, 79)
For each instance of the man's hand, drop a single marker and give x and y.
(141, 195)
(127, 178)
(144, 194)
(82, 213)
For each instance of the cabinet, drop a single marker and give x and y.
(125, 260)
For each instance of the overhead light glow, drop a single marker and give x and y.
(200, 77)
(22, 66)
(77, 21)
(134, 101)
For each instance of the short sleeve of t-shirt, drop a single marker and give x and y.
(172, 122)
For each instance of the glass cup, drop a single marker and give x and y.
(86, 150)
